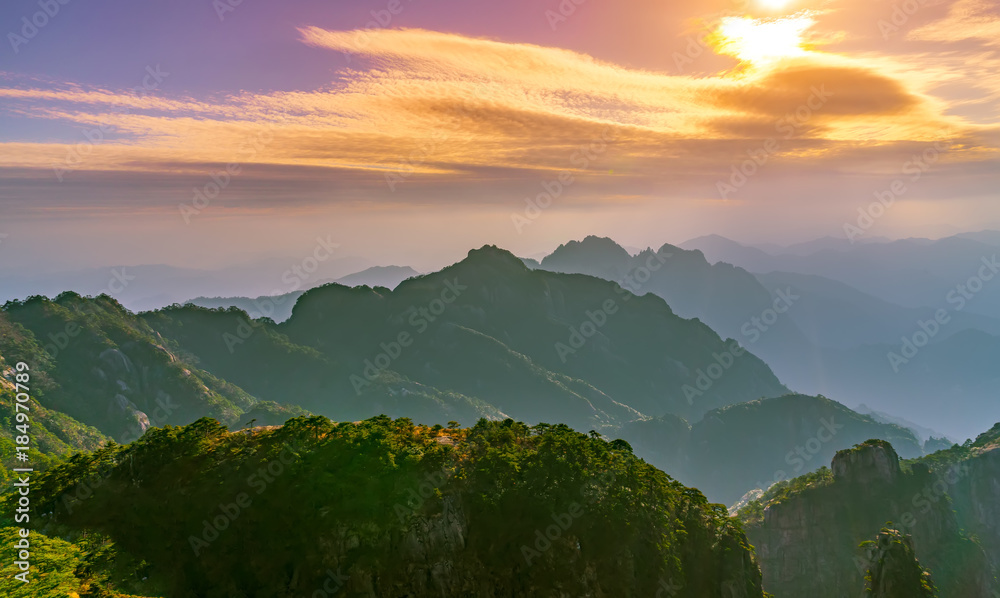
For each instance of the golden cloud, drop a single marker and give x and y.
(448, 106)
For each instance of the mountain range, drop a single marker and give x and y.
(186, 401)
(822, 336)
(908, 272)
(279, 307)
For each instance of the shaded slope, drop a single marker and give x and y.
(753, 445)
(98, 363)
(637, 351)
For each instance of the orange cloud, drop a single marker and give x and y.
(446, 107)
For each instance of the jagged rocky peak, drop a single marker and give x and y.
(893, 570)
(494, 255)
(873, 461)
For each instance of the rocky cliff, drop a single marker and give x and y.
(892, 569)
(807, 532)
(972, 482)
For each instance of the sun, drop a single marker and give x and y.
(775, 4)
(761, 41)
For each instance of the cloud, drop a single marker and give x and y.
(967, 20)
(450, 110)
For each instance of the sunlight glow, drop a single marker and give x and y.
(774, 4)
(760, 41)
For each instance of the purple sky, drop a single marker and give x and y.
(425, 137)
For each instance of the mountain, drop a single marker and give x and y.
(724, 297)
(892, 569)
(596, 256)
(276, 307)
(487, 332)
(807, 531)
(225, 341)
(735, 449)
(955, 273)
(96, 362)
(143, 287)
(819, 335)
(924, 434)
(384, 508)
(54, 435)
(379, 276)
(487, 337)
(834, 315)
(717, 248)
(989, 237)
(279, 307)
(948, 384)
(823, 243)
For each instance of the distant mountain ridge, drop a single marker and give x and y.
(152, 286)
(907, 272)
(486, 337)
(825, 337)
(279, 307)
(758, 443)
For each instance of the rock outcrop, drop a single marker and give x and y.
(893, 570)
(807, 539)
(974, 488)
(872, 463)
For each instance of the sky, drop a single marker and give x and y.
(202, 133)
